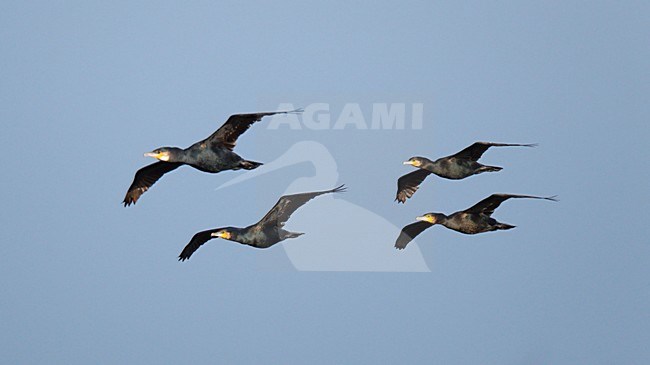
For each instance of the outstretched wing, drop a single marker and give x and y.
(409, 232)
(408, 184)
(236, 125)
(476, 150)
(282, 210)
(145, 178)
(492, 202)
(197, 241)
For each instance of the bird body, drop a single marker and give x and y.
(213, 154)
(454, 167)
(254, 235)
(263, 234)
(470, 223)
(473, 220)
(259, 235)
(210, 158)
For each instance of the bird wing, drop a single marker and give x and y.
(287, 204)
(409, 232)
(408, 184)
(145, 178)
(197, 241)
(492, 202)
(476, 150)
(236, 125)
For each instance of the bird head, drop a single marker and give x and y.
(163, 154)
(414, 161)
(223, 233)
(429, 217)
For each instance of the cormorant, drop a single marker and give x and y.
(455, 167)
(476, 219)
(213, 154)
(263, 234)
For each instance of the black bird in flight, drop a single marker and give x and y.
(455, 167)
(263, 234)
(213, 154)
(476, 219)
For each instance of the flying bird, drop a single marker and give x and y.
(455, 167)
(476, 219)
(213, 154)
(263, 234)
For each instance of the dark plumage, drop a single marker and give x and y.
(476, 219)
(213, 154)
(263, 234)
(457, 166)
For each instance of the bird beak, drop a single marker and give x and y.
(407, 163)
(224, 235)
(158, 156)
(425, 218)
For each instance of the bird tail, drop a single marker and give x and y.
(287, 234)
(505, 226)
(489, 169)
(249, 165)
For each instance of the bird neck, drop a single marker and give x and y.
(441, 218)
(237, 234)
(178, 155)
(433, 166)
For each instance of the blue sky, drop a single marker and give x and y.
(87, 87)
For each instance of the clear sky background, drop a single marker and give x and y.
(87, 87)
